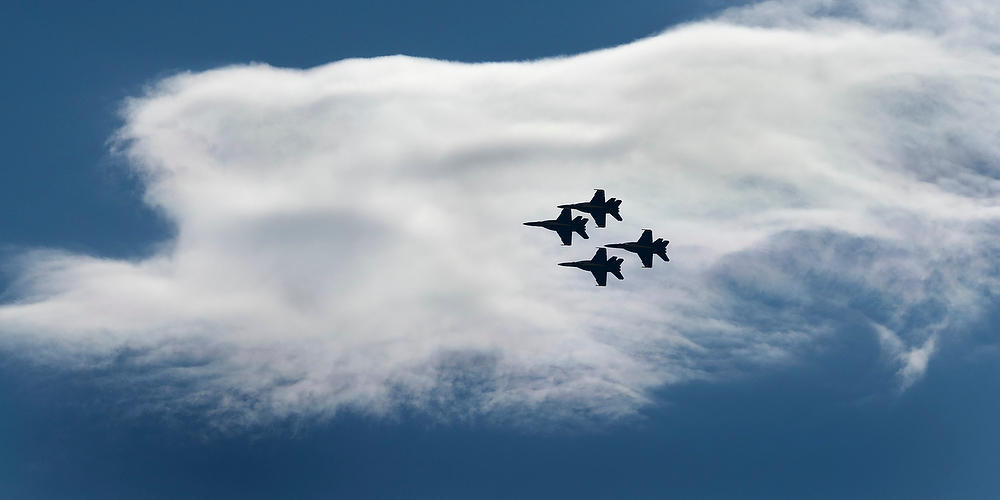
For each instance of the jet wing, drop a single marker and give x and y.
(601, 255)
(600, 218)
(647, 257)
(566, 235)
(646, 238)
(598, 197)
(564, 216)
(601, 277)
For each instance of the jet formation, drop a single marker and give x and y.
(600, 265)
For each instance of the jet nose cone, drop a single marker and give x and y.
(566, 264)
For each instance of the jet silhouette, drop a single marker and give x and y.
(598, 208)
(645, 247)
(564, 226)
(600, 266)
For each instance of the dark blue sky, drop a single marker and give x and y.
(831, 426)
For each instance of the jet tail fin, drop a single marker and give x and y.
(616, 267)
(613, 205)
(660, 246)
(581, 227)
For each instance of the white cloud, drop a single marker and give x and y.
(350, 235)
(912, 361)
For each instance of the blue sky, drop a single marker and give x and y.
(809, 398)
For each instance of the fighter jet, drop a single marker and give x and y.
(598, 208)
(564, 226)
(645, 247)
(600, 266)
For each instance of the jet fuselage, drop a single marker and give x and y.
(645, 247)
(564, 225)
(587, 265)
(598, 208)
(552, 225)
(600, 265)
